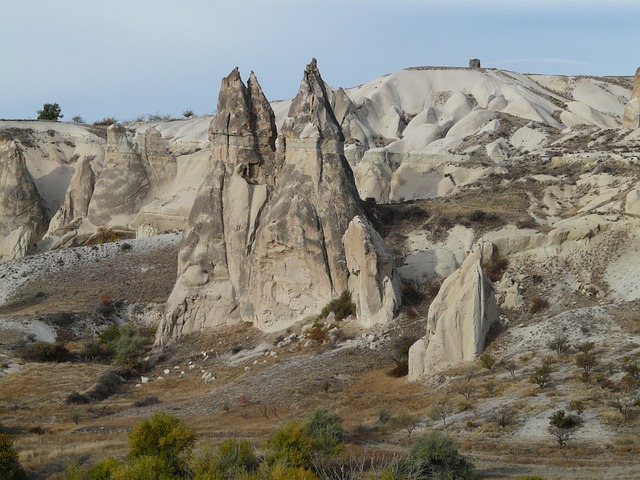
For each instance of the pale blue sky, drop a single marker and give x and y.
(125, 58)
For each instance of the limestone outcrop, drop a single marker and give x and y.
(264, 241)
(22, 216)
(458, 320)
(631, 118)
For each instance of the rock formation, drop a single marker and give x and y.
(300, 263)
(122, 183)
(77, 198)
(158, 161)
(264, 241)
(458, 320)
(22, 216)
(131, 171)
(213, 264)
(373, 281)
(631, 117)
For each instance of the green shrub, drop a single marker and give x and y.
(436, 454)
(163, 438)
(104, 469)
(277, 471)
(145, 467)
(290, 445)
(487, 361)
(230, 459)
(95, 350)
(342, 307)
(110, 334)
(128, 344)
(560, 419)
(10, 468)
(105, 122)
(325, 429)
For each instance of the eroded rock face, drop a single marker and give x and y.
(22, 215)
(214, 258)
(631, 117)
(77, 198)
(373, 280)
(132, 169)
(299, 259)
(122, 183)
(458, 320)
(264, 242)
(159, 163)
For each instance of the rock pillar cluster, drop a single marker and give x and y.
(267, 239)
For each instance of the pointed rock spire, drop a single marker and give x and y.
(631, 118)
(20, 203)
(310, 114)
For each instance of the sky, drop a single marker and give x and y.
(126, 58)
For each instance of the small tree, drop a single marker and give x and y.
(50, 111)
(188, 113)
(510, 367)
(502, 415)
(586, 361)
(563, 427)
(77, 119)
(441, 410)
(10, 468)
(542, 375)
(559, 343)
(231, 459)
(406, 421)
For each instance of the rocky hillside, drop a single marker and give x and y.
(463, 210)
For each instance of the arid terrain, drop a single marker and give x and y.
(540, 171)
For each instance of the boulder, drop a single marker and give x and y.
(373, 280)
(17, 244)
(458, 320)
